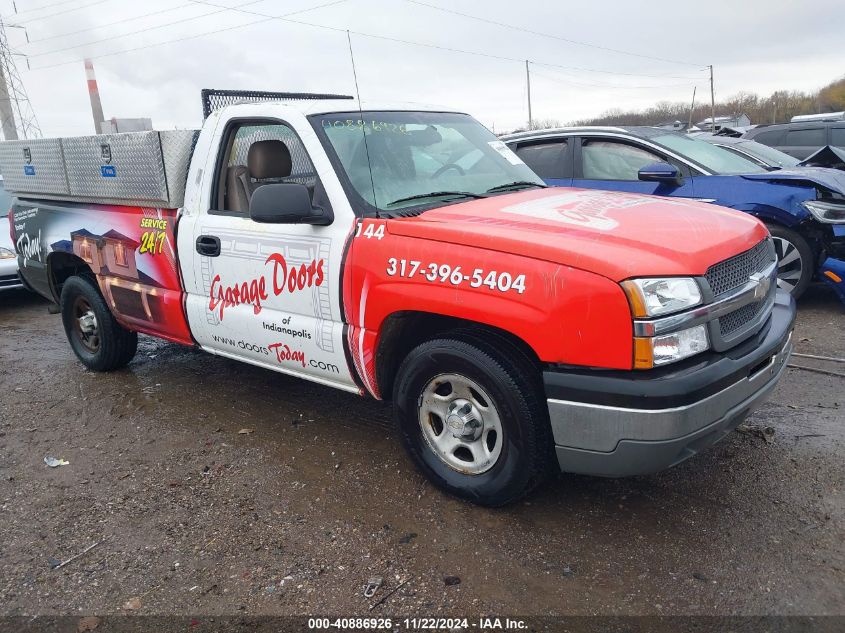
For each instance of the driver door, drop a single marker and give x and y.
(267, 294)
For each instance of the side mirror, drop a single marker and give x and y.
(660, 172)
(286, 203)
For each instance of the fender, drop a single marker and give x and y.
(769, 201)
(564, 314)
(768, 213)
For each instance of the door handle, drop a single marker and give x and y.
(208, 245)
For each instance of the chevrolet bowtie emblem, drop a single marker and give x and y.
(763, 283)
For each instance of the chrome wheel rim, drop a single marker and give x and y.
(790, 264)
(460, 424)
(85, 325)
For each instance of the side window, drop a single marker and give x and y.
(611, 160)
(734, 150)
(837, 136)
(771, 138)
(260, 154)
(814, 137)
(546, 159)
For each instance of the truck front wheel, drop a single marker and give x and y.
(473, 418)
(97, 339)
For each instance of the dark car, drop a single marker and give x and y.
(804, 207)
(800, 139)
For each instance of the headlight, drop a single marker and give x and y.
(656, 297)
(827, 212)
(5, 253)
(669, 348)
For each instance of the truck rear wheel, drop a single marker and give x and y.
(97, 339)
(473, 418)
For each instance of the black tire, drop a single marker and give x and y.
(512, 382)
(793, 275)
(108, 345)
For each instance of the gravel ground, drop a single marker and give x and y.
(215, 487)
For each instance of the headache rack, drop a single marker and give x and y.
(213, 99)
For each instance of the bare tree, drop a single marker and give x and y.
(780, 106)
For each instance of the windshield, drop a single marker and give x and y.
(714, 159)
(420, 159)
(769, 155)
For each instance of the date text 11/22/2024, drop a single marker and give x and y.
(418, 624)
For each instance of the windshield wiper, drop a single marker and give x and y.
(515, 185)
(437, 194)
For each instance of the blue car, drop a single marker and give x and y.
(804, 207)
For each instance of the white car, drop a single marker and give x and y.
(8, 259)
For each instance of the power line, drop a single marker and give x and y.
(612, 72)
(44, 6)
(446, 48)
(285, 18)
(435, 46)
(107, 24)
(192, 37)
(52, 15)
(550, 35)
(563, 80)
(144, 30)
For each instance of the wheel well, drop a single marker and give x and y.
(403, 331)
(62, 266)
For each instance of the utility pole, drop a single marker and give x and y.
(691, 108)
(712, 102)
(17, 118)
(528, 84)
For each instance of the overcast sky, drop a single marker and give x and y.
(754, 45)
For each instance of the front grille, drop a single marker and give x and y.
(729, 275)
(735, 271)
(733, 321)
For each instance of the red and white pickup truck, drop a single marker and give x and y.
(410, 255)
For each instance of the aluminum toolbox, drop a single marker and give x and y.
(34, 166)
(135, 168)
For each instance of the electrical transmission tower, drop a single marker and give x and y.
(17, 118)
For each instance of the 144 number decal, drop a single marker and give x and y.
(372, 231)
(444, 273)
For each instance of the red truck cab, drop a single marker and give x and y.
(410, 255)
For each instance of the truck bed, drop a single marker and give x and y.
(130, 249)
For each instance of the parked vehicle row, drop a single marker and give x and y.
(804, 208)
(8, 259)
(411, 255)
(800, 139)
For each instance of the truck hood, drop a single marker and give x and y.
(617, 235)
(832, 179)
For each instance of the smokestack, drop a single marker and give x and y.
(94, 95)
